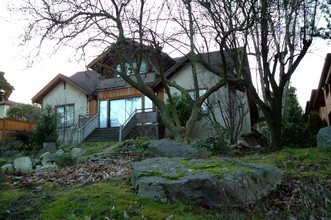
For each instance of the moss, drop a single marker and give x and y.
(218, 167)
(177, 175)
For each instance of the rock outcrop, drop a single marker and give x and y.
(212, 183)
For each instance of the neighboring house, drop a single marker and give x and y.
(320, 99)
(109, 102)
(4, 106)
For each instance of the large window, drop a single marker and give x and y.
(122, 109)
(65, 115)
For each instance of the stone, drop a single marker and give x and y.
(48, 147)
(212, 183)
(48, 166)
(59, 153)
(23, 164)
(76, 152)
(8, 168)
(244, 144)
(324, 137)
(169, 148)
(46, 157)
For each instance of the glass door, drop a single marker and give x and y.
(103, 114)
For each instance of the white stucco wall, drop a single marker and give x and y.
(3, 110)
(66, 95)
(207, 80)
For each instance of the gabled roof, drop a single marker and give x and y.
(211, 60)
(85, 81)
(8, 103)
(130, 48)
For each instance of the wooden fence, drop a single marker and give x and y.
(10, 127)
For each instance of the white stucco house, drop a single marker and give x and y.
(99, 101)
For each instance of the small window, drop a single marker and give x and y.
(130, 69)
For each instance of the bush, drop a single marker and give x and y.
(65, 160)
(139, 144)
(46, 130)
(214, 145)
(183, 108)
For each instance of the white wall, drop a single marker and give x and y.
(3, 110)
(206, 80)
(66, 95)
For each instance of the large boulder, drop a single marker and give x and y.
(169, 148)
(213, 183)
(23, 164)
(324, 137)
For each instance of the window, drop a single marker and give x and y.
(204, 104)
(122, 109)
(65, 115)
(148, 104)
(130, 69)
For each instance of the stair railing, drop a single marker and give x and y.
(87, 128)
(128, 125)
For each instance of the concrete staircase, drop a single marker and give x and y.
(103, 135)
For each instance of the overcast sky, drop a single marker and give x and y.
(29, 81)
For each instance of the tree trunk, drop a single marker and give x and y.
(276, 133)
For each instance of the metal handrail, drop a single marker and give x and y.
(89, 127)
(127, 122)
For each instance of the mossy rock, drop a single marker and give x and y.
(213, 183)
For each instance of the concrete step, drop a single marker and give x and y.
(104, 134)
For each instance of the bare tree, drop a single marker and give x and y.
(104, 23)
(233, 108)
(279, 36)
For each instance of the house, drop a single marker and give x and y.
(99, 101)
(4, 106)
(320, 99)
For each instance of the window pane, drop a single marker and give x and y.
(117, 112)
(60, 116)
(70, 115)
(103, 114)
(131, 105)
(143, 67)
(148, 104)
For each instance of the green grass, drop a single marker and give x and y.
(115, 198)
(298, 162)
(96, 201)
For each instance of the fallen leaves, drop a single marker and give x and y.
(78, 174)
